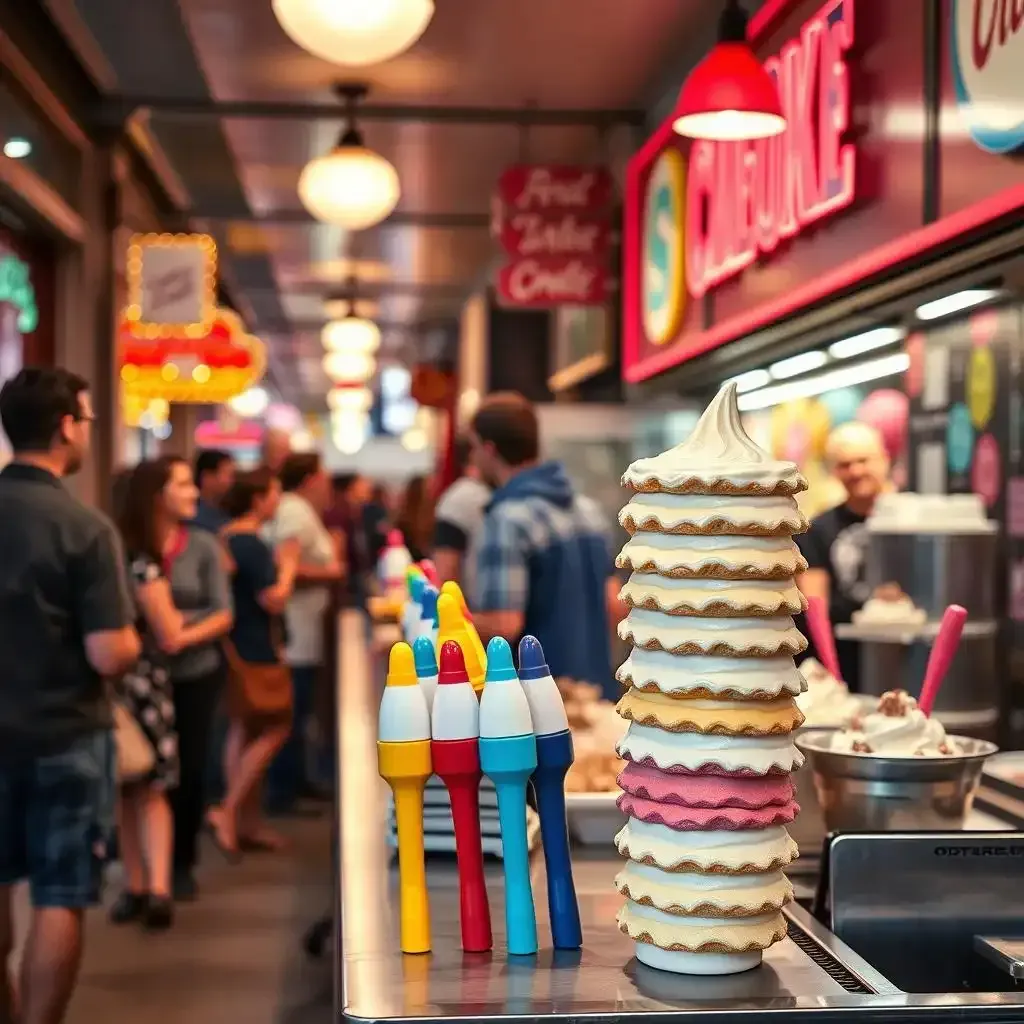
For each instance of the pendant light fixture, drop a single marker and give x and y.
(351, 333)
(354, 32)
(351, 187)
(349, 366)
(729, 96)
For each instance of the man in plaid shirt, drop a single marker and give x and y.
(543, 558)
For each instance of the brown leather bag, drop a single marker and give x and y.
(257, 691)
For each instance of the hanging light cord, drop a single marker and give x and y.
(732, 25)
(351, 94)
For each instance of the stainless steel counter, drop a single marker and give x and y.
(810, 972)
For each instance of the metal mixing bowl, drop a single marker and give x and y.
(864, 792)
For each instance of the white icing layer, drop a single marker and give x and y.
(827, 701)
(773, 634)
(900, 612)
(749, 849)
(693, 751)
(668, 552)
(649, 877)
(674, 674)
(775, 513)
(717, 450)
(764, 596)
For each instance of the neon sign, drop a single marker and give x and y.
(744, 198)
(16, 290)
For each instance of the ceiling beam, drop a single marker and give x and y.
(398, 219)
(363, 289)
(116, 110)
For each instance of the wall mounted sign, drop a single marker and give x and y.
(554, 224)
(663, 268)
(210, 369)
(172, 284)
(987, 41)
(769, 229)
(16, 290)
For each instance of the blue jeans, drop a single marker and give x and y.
(57, 820)
(288, 773)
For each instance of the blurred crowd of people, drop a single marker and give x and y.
(172, 669)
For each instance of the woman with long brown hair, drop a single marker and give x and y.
(259, 685)
(157, 498)
(416, 517)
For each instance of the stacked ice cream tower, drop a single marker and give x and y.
(707, 788)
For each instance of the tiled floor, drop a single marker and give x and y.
(235, 955)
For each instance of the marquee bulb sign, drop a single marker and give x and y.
(708, 212)
(987, 41)
(180, 367)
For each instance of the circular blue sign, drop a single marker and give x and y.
(663, 295)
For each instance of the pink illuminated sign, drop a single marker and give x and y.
(744, 198)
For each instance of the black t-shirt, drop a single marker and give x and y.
(62, 578)
(837, 542)
(256, 633)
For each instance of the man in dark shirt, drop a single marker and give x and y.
(836, 543)
(65, 626)
(214, 474)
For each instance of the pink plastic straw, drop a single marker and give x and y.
(821, 633)
(947, 640)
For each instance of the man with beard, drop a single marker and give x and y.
(836, 543)
(65, 628)
(543, 560)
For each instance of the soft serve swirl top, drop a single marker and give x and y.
(717, 456)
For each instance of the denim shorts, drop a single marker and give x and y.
(57, 820)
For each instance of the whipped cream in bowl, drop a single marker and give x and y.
(827, 701)
(928, 778)
(885, 611)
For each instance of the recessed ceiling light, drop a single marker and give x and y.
(17, 148)
(878, 337)
(750, 380)
(802, 363)
(955, 303)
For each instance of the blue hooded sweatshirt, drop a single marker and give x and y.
(546, 552)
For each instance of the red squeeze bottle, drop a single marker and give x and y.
(455, 753)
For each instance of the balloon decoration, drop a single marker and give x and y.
(842, 404)
(887, 410)
(210, 369)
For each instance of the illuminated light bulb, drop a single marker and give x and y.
(17, 148)
(201, 374)
(350, 399)
(414, 440)
(354, 32)
(250, 403)
(349, 366)
(351, 334)
(169, 372)
(351, 187)
(129, 373)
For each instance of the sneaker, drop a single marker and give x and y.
(159, 915)
(185, 888)
(129, 907)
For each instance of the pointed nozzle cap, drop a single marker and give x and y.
(424, 657)
(428, 602)
(401, 666)
(531, 659)
(452, 664)
(429, 571)
(395, 538)
(449, 615)
(452, 588)
(500, 668)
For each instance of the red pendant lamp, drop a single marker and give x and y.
(729, 96)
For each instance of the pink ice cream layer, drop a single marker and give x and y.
(697, 819)
(706, 791)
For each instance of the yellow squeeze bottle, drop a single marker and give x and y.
(451, 587)
(403, 761)
(452, 625)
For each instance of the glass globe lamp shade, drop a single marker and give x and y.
(250, 403)
(351, 334)
(349, 434)
(350, 399)
(352, 187)
(354, 32)
(349, 366)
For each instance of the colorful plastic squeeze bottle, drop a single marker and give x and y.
(508, 755)
(451, 587)
(429, 571)
(427, 624)
(413, 609)
(426, 668)
(403, 760)
(455, 752)
(554, 757)
(453, 626)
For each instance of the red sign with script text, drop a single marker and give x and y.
(547, 187)
(555, 234)
(553, 281)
